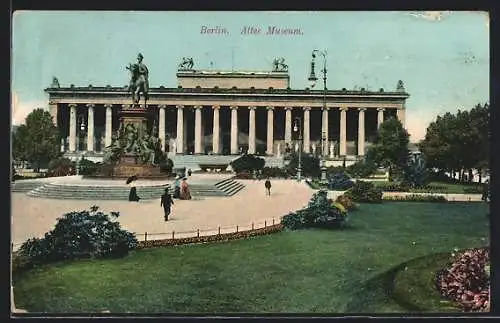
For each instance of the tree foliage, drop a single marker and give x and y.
(309, 164)
(390, 148)
(458, 142)
(37, 141)
(248, 163)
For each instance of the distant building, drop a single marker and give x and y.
(224, 113)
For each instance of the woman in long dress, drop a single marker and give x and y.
(185, 194)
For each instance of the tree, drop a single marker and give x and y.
(310, 165)
(37, 141)
(390, 148)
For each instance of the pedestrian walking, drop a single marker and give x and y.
(486, 191)
(267, 184)
(166, 203)
(177, 187)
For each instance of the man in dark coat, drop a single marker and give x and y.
(166, 202)
(486, 191)
(133, 197)
(267, 184)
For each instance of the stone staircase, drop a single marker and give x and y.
(23, 186)
(81, 192)
(225, 188)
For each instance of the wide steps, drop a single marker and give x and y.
(77, 192)
(24, 186)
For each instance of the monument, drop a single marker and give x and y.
(135, 149)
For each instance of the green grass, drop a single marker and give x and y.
(450, 188)
(414, 284)
(347, 271)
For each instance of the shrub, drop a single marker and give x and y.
(88, 167)
(166, 166)
(364, 192)
(415, 173)
(416, 198)
(362, 169)
(346, 202)
(340, 182)
(247, 163)
(320, 212)
(466, 280)
(61, 167)
(332, 170)
(78, 235)
(274, 172)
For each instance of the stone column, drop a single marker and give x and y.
(324, 130)
(402, 116)
(307, 133)
(380, 117)
(197, 129)
(53, 111)
(251, 130)
(288, 125)
(216, 130)
(270, 130)
(234, 130)
(180, 129)
(90, 127)
(361, 132)
(72, 127)
(109, 125)
(343, 131)
(161, 126)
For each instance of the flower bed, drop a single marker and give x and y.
(212, 238)
(466, 280)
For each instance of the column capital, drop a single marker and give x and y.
(344, 109)
(216, 107)
(306, 108)
(234, 107)
(288, 108)
(361, 109)
(199, 107)
(126, 106)
(90, 105)
(325, 108)
(380, 109)
(179, 106)
(162, 106)
(107, 105)
(252, 108)
(72, 105)
(270, 108)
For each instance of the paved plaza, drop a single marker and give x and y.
(32, 217)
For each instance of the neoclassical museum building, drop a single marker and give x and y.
(230, 112)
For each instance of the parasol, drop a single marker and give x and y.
(131, 179)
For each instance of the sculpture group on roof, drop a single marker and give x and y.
(279, 65)
(186, 64)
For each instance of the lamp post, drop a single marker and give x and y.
(298, 129)
(312, 79)
(83, 127)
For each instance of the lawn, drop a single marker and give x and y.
(300, 271)
(450, 188)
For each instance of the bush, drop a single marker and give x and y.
(61, 167)
(274, 172)
(340, 182)
(310, 165)
(415, 173)
(364, 192)
(88, 167)
(466, 280)
(247, 163)
(395, 187)
(362, 169)
(346, 202)
(166, 166)
(416, 198)
(320, 212)
(79, 235)
(332, 170)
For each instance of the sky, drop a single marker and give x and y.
(442, 57)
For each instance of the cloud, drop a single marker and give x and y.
(417, 123)
(430, 15)
(20, 109)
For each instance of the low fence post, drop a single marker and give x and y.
(198, 233)
(173, 235)
(145, 236)
(273, 221)
(252, 226)
(219, 231)
(236, 228)
(265, 224)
